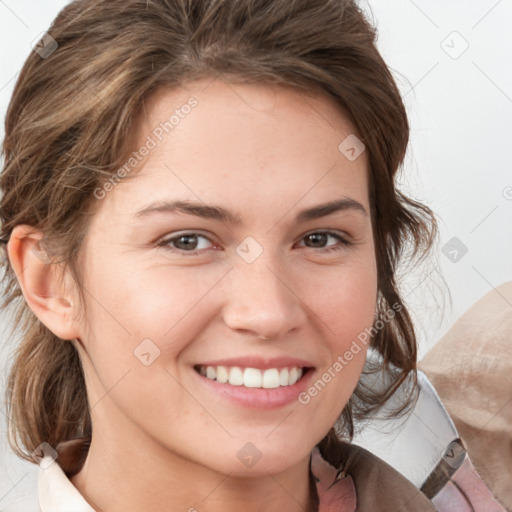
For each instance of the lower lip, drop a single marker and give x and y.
(259, 398)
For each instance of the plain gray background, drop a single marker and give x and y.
(453, 64)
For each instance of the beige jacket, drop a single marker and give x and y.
(471, 370)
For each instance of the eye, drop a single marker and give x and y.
(191, 244)
(319, 240)
(186, 242)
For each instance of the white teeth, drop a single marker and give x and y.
(252, 377)
(294, 376)
(222, 374)
(236, 377)
(271, 378)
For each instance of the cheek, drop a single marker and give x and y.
(145, 302)
(172, 308)
(345, 306)
(346, 302)
(139, 325)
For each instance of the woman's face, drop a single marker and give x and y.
(218, 239)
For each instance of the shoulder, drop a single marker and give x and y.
(379, 486)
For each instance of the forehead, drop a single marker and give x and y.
(219, 106)
(219, 141)
(258, 97)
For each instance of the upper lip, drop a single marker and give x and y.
(259, 362)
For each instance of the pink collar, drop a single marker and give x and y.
(336, 493)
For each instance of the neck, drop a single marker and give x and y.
(117, 479)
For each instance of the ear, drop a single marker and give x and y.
(48, 289)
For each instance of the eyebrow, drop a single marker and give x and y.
(221, 214)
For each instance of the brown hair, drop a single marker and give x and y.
(70, 118)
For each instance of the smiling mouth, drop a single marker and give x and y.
(270, 378)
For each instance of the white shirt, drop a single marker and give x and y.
(53, 491)
(56, 492)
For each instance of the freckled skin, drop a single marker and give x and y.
(266, 153)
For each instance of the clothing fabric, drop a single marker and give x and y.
(426, 448)
(471, 369)
(365, 484)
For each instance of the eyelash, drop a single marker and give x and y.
(344, 242)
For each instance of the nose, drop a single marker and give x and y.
(263, 300)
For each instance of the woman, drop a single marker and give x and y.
(203, 229)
